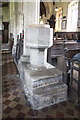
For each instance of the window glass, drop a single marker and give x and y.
(72, 18)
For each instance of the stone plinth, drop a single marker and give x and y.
(42, 85)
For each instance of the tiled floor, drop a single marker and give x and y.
(15, 105)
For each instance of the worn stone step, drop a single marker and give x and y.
(50, 89)
(41, 77)
(42, 73)
(47, 81)
(39, 103)
(47, 96)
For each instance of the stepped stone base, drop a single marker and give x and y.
(39, 102)
(43, 87)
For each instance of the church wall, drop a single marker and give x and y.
(5, 13)
(0, 11)
(0, 18)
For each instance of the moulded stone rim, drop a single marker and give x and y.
(39, 26)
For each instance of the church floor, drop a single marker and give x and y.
(15, 104)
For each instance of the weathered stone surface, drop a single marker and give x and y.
(14, 50)
(39, 102)
(40, 73)
(50, 89)
(36, 38)
(25, 59)
(42, 85)
(39, 57)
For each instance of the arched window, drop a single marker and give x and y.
(72, 18)
(58, 19)
(42, 9)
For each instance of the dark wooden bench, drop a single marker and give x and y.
(19, 47)
(60, 55)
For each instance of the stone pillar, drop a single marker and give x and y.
(13, 21)
(13, 24)
(11, 10)
(31, 16)
(19, 14)
(0, 77)
(17, 23)
(15, 29)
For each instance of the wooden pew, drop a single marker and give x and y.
(11, 41)
(59, 55)
(19, 47)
